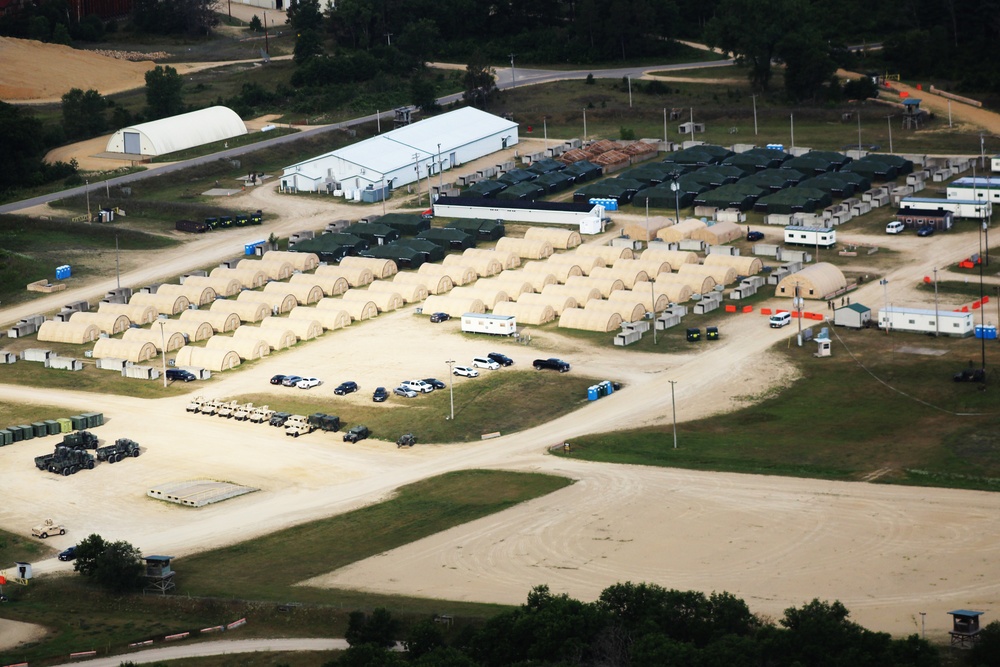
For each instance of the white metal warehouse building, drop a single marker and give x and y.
(400, 156)
(177, 133)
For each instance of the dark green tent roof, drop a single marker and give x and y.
(584, 170)
(793, 200)
(770, 179)
(407, 224)
(554, 181)
(630, 184)
(526, 190)
(731, 196)
(837, 187)
(485, 230)
(903, 166)
(750, 163)
(432, 251)
(515, 176)
(340, 238)
(546, 166)
(794, 175)
(661, 196)
(810, 164)
(448, 237)
(772, 153)
(487, 188)
(834, 157)
(372, 231)
(872, 169)
(404, 256)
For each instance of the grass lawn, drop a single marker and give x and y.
(22, 547)
(218, 146)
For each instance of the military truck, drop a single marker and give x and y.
(356, 433)
(210, 407)
(325, 422)
(406, 440)
(242, 412)
(260, 415)
(65, 461)
(80, 440)
(227, 410)
(48, 527)
(297, 425)
(195, 404)
(122, 449)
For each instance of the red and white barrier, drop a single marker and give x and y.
(137, 644)
(180, 635)
(217, 628)
(236, 624)
(83, 654)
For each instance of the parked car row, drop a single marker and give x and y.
(296, 381)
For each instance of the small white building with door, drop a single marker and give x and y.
(944, 321)
(853, 316)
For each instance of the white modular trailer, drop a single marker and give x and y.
(824, 237)
(976, 209)
(498, 325)
(922, 320)
(401, 156)
(981, 188)
(512, 210)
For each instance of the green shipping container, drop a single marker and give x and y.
(52, 426)
(65, 425)
(79, 422)
(40, 429)
(94, 419)
(27, 433)
(6, 437)
(15, 432)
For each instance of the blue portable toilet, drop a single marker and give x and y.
(63, 272)
(592, 393)
(608, 387)
(987, 332)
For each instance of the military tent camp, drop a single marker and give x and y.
(402, 256)
(221, 319)
(589, 320)
(527, 191)
(603, 190)
(134, 351)
(646, 231)
(173, 340)
(303, 292)
(249, 278)
(736, 195)
(723, 275)
(109, 323)
(280, 301)
(213, 360)
(429, 251)
(276, 269)
(326, 247)
(603, 285)
(681, 231)
(448, 238)
(587, 263)
(794, 200)
(661, 253)
(489, 297)
(751, 163)
(482, 230)
(661, 196)
(483, 265)
(771, 180)
(380, 268)
(816, 281)
(579, 293)
(224, 287)
(195, 329)
(583, 170)
(773, 153)
(553, 182)
(300, 261)
(628, 276)
(454, 306)
(356, 276)
(277, 338)
(862, 178)
(515, 176)
(358, 310)
(247, 348)
(628, 311)
(303, 329)
(557, 303)
(834, 184)
(608, 254)
(810, 165)
(247, 311)
(384, 301)
(676, 291)
(441, 284)
(407, 224)
(642, 295)
(698, 283)
(199, 295)
(507, 259)
(903, 166)
(330, 319)
(534, 314)
(719, 233)
(525, 248)
(745, 266)
(561, 270)
(77, 333)
(652, 267)
(410, 292)
(373, 232)
(512, 286)
(331, 285)
(559, 237)
(164, 304)
(537, 279)
(546, 166)
(487, 189)
(460, 275)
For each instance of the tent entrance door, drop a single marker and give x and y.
(132, 143)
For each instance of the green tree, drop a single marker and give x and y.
(255, 24)
(60, 35)
(419, 39)
(116, 566)
(480, 82)
(39, 29)
(423, 94)
(370, 655)
(423, 638)
(808, 65)
(84, 113)
(380, 628)
(163, 92)
(87, 553)
(986, 651)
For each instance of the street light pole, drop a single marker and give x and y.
(440, 173)
(889, 119)
(982, 309)
(629, 91)
(885, 293)
(87, 184)
(585, 124)
(673, 404)
(677, 200)
(451, 387)
(118, 272)
(754, 114)
(512, 79)
(163, 342)
(936, 332)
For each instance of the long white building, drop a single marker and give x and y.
(403, 155)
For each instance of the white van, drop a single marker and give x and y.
(779, 320)
(485, 362)
(895, 227)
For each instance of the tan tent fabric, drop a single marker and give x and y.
(605, 252)
(300, 261)
(559, 237)
(164, 305)
(460, 275)
(360, 310)
(109, 323)
(697, 283)
(411, 293)
(642, 231)
(224, 287)
(724, 275)
(604, 285)
(303, 329)
(561, 270)
(277, 338)
(681, 231)
(489, 296)
(534, 314)
(628, 311)
(248, 348)
(222, 319)
(249, 278)
(385, 301)
(578, 318)
(674, 257)
(77, 333)
(275, 268)
(380, 268)
(537, 279)
(281, 300)
(195, 329)
(587, 263)
(433, 284)
(525, 248)
(817, 281)
(134, 351)
(507, 259)
(199, 295)
(247, 311)
(628, 276)
(484, 266)
(513, 287)
(677, 292)
(580, 293)
(643, 295)
(331, 285)
(745, 266)
(214, 360)
(454, 306)
(304, 293)
(356, 276)
(135, 313)
(330, 319)
(719, 233)
(652, 267)
(173, 340)
(557, 303)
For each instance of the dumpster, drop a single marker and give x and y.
(712, 333)
(39, 429)
(27, 433)
(693, 335)
(6, 437)
(15, 433)
(79, 422)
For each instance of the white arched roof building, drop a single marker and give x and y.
(177, 133)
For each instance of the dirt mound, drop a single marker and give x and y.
(37, 72)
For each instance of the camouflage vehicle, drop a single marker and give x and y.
(65, 461)
(325, 422)
(80, 440)
(406, 440)
(122, 449)
(279, 418)
(359, 432)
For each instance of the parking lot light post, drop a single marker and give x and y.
(673, 404)
(451, 386)
(163, 342)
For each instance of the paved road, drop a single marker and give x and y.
(192, 650)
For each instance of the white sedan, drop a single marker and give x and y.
(466, 371)
(308, 383)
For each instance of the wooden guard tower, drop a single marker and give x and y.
(159, 576)
(912, 115)
(965, 630)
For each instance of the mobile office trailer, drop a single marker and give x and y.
(823, 237)
(921, 320)
(976, 209)
(497, 325)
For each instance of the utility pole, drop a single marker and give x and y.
(440, 173)
(754, 97)
(513, 81)
(889, 119)
(936, 329)
(885, 293)
(451, 386)
(673, 404)
(692, 123)
(664, 128)
(267, 49)
(629, 91)
(388, 39)
(545, 130)
(859, 133)
(791, 121)
(87, 187)
(118, 271)
(163, 342)
(584, 124)
(416, 168)
(797, 304)
(383, 194)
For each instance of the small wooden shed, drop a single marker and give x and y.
(213, 360)
(853, 315)
(221, 319)
(111, 324)
(77, 333)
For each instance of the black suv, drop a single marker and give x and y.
(551, 364)
(348, 387)
(277, 379)
(380, 395)
(357, 433)
(178, 374)
(501, 359)
(440, 317)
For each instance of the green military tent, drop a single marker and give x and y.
(448, 238)
(407, 224)
(431, 252)
(741, 196)
(524, 191)
(404, 256)
(794, 200)
(554, 181)
(583, 171)
(486, 189)
(546, 166)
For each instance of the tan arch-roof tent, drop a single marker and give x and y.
(629, 276)
(109, 323)
(358, 310)
(817, 281)
(460, 275)
(605, 252)
(554, 301)
(274, 269)
(330, 319)
(643, 295)
(578, 318)
(385, 301)
(652, 267)
(724, 275)
(514, 287)
(489, 296)
(559, 237)
(77, 333)
(646, 230)
(135, 313)
(534, 314)
(605, 285)
(745, 266)
(199, 295)
(676, 291)
(381, 268)
(281, 300)
(628, 311)
(433, 284)
(356, 276)
(277, 338)
(696, 282)
(248, 278)
(195, 329)
(507, 259)
(331, 285)
(165, 304)
(537, 279)
(681, 231)
(223, 286)
(303, 329)
(301, 261)
(221, 319)
(174, 340)
(453, 305)
(525, 248)
(247, 311)
(719, 233)
(674, 257)
(248, 348)
(587, 263)
(134, 351)
(213, 360)
(580, 293)
(303, 292)
(561, 270)
(484, 266)
(411, 292)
